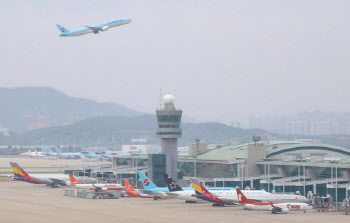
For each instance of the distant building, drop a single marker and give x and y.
(310, 128)
(139, 149)
(140, 140)
(198, 148)
(5, 131)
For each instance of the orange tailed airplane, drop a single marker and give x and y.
(132, 192)
(96, 187)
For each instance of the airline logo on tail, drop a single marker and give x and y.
(73, 180)
(197, 188)
(128, 186)
(241, 198)
(17, 172)
(21, 174)
(146, 182)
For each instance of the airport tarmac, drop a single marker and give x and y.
(23, 202)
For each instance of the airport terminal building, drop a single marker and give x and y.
(281, 166)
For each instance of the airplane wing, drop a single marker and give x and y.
(228, 200)
(41, 181)
(170, 194)
(94, 29)
(59, 182)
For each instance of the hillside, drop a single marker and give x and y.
(119, 130)
(27, 108)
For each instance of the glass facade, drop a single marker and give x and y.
(169, 118)
(157, 168)
(169, 133)
(308, 148)
(169, 126)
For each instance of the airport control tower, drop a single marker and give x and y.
(169, 131)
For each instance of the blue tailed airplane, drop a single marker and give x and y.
(150, 188)
(92, 29)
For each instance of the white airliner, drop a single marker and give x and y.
(96, 187)
(92, 29)
(273, 207)
(259, 195)
(49, 179)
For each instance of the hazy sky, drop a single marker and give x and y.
(223, 60)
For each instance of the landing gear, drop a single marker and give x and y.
(218, 205)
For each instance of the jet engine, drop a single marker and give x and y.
(285, 210)
(276, 210)
(104, 28)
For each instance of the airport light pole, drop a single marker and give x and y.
(336, 183)
(336, 186)
(268, 173)
(304, 178)
(242, 159)
(195, 166)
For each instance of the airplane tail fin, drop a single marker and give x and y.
(19, 173)
(241, 198)
(197, 187)
(128, 186)
(16, 169)
(171, 184)
(146, 182)
(84, 150)
(73, 180)
(62, 29)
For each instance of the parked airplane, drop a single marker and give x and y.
(49, 179)
(230, 196)
(204, 194)
(90, 154)
(32, 154)
(163, 192)
(96, 187)
(92, 29)
(132, 192)
(60, 153)
(175, 191)
(273, 207)
(48, 152)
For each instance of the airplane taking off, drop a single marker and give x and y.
(96, 187)
(92, 29)
(132, 192)
(273, 207)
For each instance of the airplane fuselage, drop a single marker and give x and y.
(103, 186)
(87, 30)
(260, 195)
(283, 206)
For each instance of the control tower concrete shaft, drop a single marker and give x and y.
(169, 131)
